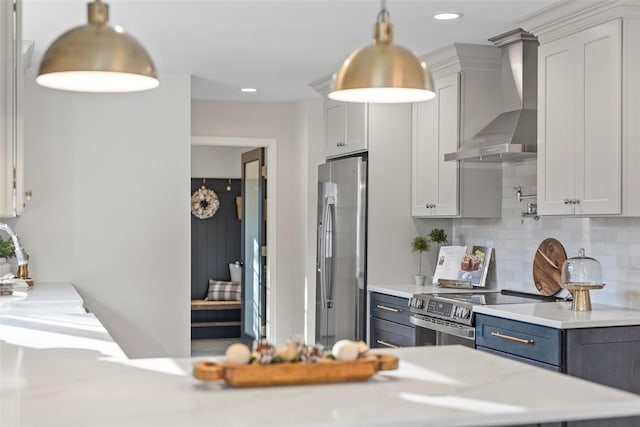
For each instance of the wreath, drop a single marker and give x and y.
(204, 203)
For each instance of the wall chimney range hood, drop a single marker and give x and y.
(512, 135)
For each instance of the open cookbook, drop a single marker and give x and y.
(462, 266)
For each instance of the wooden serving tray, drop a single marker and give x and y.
(326, 371)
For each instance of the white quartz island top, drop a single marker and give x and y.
(560, 316)
(62, 369)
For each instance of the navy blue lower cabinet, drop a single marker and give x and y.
(389, 325)
(608, 355)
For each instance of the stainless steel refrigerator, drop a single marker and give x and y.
(341, 250)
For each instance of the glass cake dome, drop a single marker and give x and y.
(581, 270)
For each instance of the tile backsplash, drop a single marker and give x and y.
(615, 242)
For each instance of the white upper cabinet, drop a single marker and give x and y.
(346, 128)
(436, 132)
(588, 108)
(467, 81)
(579, 123)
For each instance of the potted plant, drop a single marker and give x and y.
(6, 251)
(438, 236)
(420, 244)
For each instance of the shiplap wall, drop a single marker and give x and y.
(215, 241)
(615, 242)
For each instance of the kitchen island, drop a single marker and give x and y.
(62, 368)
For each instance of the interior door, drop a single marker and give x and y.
(253, 246)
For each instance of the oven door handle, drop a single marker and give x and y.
(467, 332)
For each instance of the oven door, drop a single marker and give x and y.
(434, 331)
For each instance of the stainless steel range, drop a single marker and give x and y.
(442, 319)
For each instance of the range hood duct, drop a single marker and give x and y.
(512, 135)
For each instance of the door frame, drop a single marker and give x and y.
(271, 161)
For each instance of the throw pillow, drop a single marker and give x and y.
(223, 291)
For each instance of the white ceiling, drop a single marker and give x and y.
(277, 46)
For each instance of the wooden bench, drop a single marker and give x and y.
(204, 305)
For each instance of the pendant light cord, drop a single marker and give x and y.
(383, 16)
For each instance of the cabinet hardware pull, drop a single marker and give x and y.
(567, 201)
(510, 338)
(386, 344)
(576, 201)
(385, 308)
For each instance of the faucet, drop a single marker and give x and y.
(20, 255)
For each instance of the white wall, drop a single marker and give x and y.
(391, 227)
(216, 162)
(309, 127)
(281, 121)
(110, 207)
(615, 242)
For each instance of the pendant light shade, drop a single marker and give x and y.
(97, 57)
(382, 72)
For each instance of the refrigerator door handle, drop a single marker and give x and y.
(326, 252)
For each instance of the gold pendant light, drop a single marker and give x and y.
(97, 57)
(382, 72)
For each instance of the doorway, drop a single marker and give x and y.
(270, 151)
(215, 248)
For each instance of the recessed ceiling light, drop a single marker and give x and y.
(248, 89)
(447, 16)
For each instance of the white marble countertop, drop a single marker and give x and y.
(407, 290)
(559, 315)
(64, 369)
(45, 297)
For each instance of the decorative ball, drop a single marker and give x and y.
(345, 350)
(237, 354)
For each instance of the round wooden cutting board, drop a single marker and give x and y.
(547, 266)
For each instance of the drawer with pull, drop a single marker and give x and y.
(391, 308)
(534, 342)
(390, 335)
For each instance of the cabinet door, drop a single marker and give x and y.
(579, 123)
(605, 356)
(335, 127)
(356, 139)
(436, 127)
(424, 171)
(556, 127)
(346, 128)
(599, 120)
